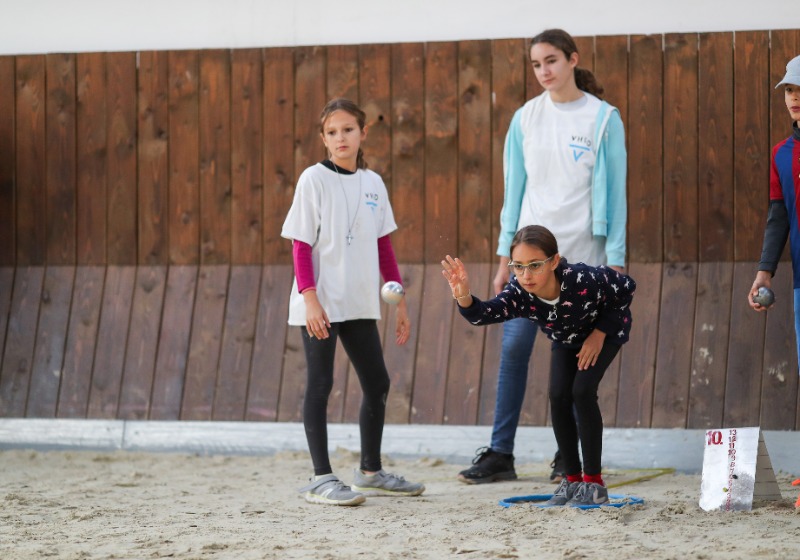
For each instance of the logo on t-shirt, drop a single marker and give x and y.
(579, 146)
(372, 200)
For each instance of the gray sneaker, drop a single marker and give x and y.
(385, 484)
(330, 490)
(564, 493)
(589, 494)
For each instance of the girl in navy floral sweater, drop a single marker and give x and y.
(585, 311)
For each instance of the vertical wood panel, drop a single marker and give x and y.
(509, 59)
(205, 344)
(680, 147)
(8, 219)
(400, 360)
(376, 101)
(84, 319)
(441, 151)
(710, 344)
(247, 182)
(611, 70)
(20, 339)
(474, 147)
(61, 165)
(184, 199)
(48, 353)
(408, 151)
(109, 359)
(461, 396)
(153, 158)
(173, 344)
(279, 148)
(122, 158)
(91, 159)
(637, 367)
(293, 382)
(271, 349)
(674, 353)
(645, 164)
(715, 142)
(310, 98)
(143, 340)
(6, 289)
(585, 52)
(751, 135)
(745, 354)
(31, 173)
(779, 378)
(343, 71)
(492, 347)
(215, 157)
(536, 406)
(433, 348)
(233, 375)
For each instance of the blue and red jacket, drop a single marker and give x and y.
(784, 206)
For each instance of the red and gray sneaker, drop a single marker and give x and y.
(589, 494)
(489, 466)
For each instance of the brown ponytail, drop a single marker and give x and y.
(342, 104)
(564, 42)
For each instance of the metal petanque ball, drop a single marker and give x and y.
(392, 292)
(764, 297)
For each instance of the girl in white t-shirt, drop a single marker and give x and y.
(339, 224)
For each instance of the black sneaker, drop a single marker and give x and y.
(489, 466)
(558, 473)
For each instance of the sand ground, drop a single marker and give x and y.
(88, 505)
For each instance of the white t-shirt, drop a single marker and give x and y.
(347, 275)
(560, 151)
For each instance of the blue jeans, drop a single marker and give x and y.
(797, 320)
(512, 379)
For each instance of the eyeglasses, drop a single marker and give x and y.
(534, 267)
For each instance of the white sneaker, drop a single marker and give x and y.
(332, 491)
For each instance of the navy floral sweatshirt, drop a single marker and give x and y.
(592, 297)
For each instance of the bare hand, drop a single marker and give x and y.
(763, 278)
(590, 350)
(456, 275)
(317, 323)
(402, 328)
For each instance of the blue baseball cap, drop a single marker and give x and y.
(792, 73)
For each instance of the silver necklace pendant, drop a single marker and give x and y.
(351, 225)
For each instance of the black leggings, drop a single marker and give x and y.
(363, 346)
(573, 403)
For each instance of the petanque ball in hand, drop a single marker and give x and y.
(392, 292)
(764, 297)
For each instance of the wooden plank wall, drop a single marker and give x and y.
(142, 274)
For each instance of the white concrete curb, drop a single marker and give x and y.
(622, 448)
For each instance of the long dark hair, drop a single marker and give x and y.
(564, 42)
(536, 236)
(342, 104)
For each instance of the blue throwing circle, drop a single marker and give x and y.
(616, 500)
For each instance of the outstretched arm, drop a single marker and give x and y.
(455, 273)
